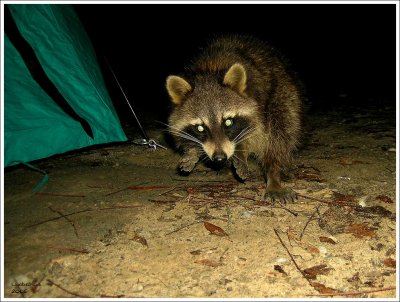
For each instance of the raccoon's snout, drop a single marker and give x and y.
(219, 157)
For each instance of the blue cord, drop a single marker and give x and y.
(44, 179)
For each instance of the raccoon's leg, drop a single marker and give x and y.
(274, 190)
(239, 161)
(189, 160)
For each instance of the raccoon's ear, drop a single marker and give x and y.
(177, 88)
(236, 78)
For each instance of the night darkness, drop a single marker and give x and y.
(337, 50)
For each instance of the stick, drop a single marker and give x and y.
(291, 257)
(185, 226)
(78, 212)
(56, 218)
(69, 220)
(115, 192)
(330, 202)
(108, 296)
(66, 290)
(60, 248)
(308, 221)
(118, 207)
(200, 180)
(354, 293)
(285, 208)
(58, 194)
(170, 190)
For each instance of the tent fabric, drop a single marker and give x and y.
(35, 127)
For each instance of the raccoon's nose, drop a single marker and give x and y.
(219, 157)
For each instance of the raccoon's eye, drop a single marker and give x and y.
(200, 128)
(228, 122)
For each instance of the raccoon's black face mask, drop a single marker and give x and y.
(218, 138)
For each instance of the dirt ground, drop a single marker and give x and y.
(118, 221)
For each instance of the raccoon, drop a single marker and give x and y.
(235, 99)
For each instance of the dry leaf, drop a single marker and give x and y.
(327, 240)
(360, 230)
(322, 288)
(312, 272)
(390, 262)
(343, 198)
(140, 239)
(384, 198)
(208, 262)
(312, 249)
(215, 230)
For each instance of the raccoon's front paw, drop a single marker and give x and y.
(188, 162)
(241, 169)
(281, 195)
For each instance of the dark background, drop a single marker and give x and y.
(344, 53)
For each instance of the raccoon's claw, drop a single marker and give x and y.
(282, 195)
(188, 162)
(241, 170)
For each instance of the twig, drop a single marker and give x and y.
(115, 192)
(159, 280)
(123, 189)
(66, 290)
(78, 212)
(302, 166)
(69, 220)
(119, 207)
(221, 258)
(291, 257)
(56, 218)
(354, 293)
(285, 208)
(59, 194)
(60, 248)
(161, 201)
(169, 190)
(308, 221)
(183, 227)
(330, 202)
(200, 180)
(108, 296)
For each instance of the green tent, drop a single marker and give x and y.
(35, 125)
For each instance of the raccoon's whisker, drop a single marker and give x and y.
(240, 134)
(244, 132)
(186, 136)
(244, 138)
(177, 131)
(243, 135)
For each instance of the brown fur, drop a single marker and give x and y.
(243, 77)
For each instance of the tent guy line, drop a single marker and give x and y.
(145, 140)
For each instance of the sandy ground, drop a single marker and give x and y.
(117, 221)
